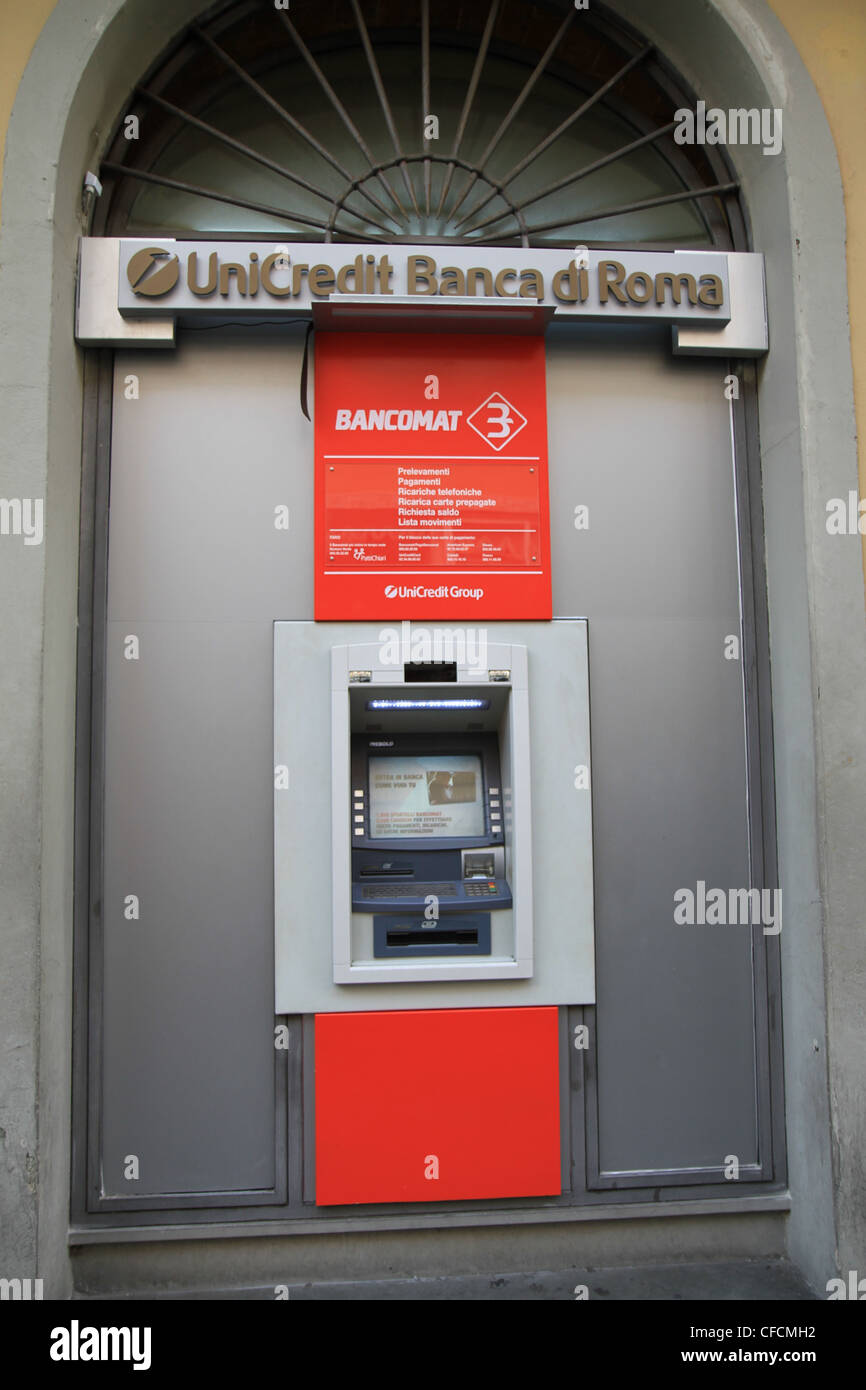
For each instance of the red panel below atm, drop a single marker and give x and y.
(433, 1105)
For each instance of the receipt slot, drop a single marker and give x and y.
(431, 827)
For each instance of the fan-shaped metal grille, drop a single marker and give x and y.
(496, 123)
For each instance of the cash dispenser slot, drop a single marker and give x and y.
(404, 937)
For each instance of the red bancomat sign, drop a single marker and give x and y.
(431, 477)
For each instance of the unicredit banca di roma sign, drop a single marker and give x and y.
(177, 277)
(431, 476)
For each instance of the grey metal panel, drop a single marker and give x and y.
(643, 439)
(575, 1075)
(196, 570)
(96, 317)
(188, 988)
(759, 740)
(214, 443)
(308, 1101)
(648, 450)
(89, 741)
(675, 1010)
(747, 334)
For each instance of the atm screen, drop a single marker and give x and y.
(427, 797)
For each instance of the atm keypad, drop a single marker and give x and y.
(476, 888)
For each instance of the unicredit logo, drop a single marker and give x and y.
(153, 271)
(442, 591)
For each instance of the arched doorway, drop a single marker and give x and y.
(246, 110)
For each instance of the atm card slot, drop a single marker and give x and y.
(380, 871)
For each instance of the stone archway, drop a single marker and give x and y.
(815, 597)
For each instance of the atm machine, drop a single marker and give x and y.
(437, 880)
(428, 871)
